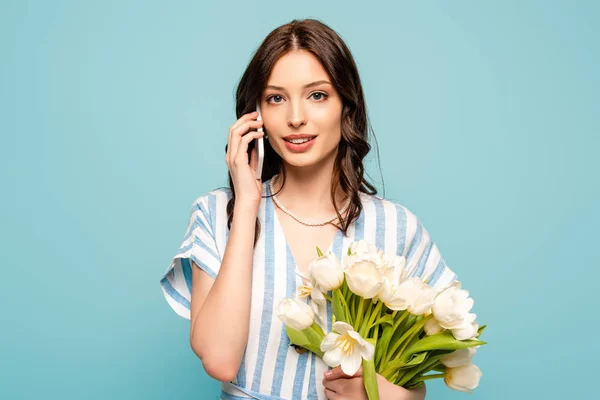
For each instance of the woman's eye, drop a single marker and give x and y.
(276, 95)
(322, 95)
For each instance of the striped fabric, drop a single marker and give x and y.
(271, 368)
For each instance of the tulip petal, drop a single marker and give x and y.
(367, 351)
(342, 327)
(458, 357)
(432, 327)
(356, 336)
(328, 342)
(333, 357)
(351, 363)
(466, 332)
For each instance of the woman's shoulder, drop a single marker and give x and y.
(213, 204)
(387, 205)
(217, 196)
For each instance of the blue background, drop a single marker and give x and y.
(114, 118)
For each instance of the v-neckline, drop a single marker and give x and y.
(338, 234)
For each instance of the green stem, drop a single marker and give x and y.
(400, 319)
(359, 314)
(427, 377)
(383, 362)
(366, 317)
(328, 297)
(409, 375)
(376, 314)
(348, 313)
(408, 334)
(406, 343)
(374, 332)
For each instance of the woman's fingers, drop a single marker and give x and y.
(346, 387)
(247, 187)
(240, 121)
(241, 157)
(337, 373)
(239, 131)
(331, 395)
(246, 117)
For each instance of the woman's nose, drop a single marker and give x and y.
(298, 117)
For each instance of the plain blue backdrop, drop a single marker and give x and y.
(114, 118)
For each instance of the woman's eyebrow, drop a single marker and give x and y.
(315, 83)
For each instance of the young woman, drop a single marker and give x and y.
(247, 245)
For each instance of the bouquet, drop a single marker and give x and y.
(391, 324)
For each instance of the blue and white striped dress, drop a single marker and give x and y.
(271, 368)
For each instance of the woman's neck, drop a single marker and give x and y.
(307, 192)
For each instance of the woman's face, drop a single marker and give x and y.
(290, 107)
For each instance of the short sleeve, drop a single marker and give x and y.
(198, 245)
(423, 258)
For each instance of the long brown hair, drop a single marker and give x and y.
(327, 46)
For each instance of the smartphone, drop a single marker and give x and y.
(260, 147)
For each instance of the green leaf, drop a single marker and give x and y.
(369, 374)
(297, 337)
(308, 338)
(393, 366)
(386, 319)
(480, 330)
(382, 345)
(319, 252)
(440, 341)
(317, 328)
(417, 359)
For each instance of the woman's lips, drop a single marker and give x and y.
(299, 147)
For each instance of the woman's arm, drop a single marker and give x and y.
(220, 308)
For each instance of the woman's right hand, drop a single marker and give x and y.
(248, 188)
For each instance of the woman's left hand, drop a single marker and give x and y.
(339, 386)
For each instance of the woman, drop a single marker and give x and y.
(247, 246)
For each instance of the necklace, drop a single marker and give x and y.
(291, 214)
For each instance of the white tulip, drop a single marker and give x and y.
(364, 279)
(309, 289)
(432, 327)
(317, 310)
(463, 378)
(347, 348)
(364, 251)
(421, 298)
(327, 272)
(318, 303)
(361, 246)
(459, 357)
(412, 295)
(394, 268)
(295, 313)
(468, 331)
(316, 295)
(451, 310)
(392, 273)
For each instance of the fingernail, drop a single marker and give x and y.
(327, 373)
